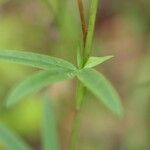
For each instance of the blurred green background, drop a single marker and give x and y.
(122, 30)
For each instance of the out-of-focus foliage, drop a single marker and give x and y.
(10, 140)
(123, 29)
(49, 127)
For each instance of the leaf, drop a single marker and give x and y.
(36, 83)
(11, 141)
(49, 128)
(35, 60)
(91, 26)
(94, 61)
(101, 88)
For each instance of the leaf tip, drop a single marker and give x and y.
(120, 112)
(111, 56)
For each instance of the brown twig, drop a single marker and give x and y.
(83, 20)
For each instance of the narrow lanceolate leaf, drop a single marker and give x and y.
(11, 141)
(101, 88)
(94, 61)
(35, 60)
(49, 127)
(36, 83)
(91, 26)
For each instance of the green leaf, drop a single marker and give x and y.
(36, 83)
(91, 26)
(94, 61)
(49, 127)
(101, 88)
(11, 141)
(35, 60)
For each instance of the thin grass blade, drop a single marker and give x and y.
(101, 87)
(36, 83)
(49, 127)
(35, 60)
(11, 141)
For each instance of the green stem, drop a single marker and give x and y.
(88, 42)
(75, 132)
(87, 48)
(80, 87)
(80, 96)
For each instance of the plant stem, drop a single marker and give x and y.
(75, 131)
(83, 20)
(80, 95)
(80, 87)
(86, 50)
(88, 42)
